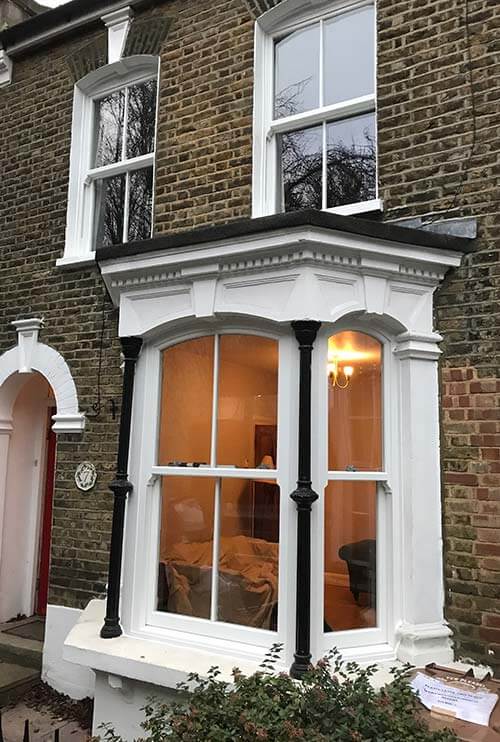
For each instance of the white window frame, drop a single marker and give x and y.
(79, 244)
(140, 617)
(380, 639)
(276, 23)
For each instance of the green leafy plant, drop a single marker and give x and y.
(335, 701)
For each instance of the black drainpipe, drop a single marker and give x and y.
(304, 496)
(120, 487)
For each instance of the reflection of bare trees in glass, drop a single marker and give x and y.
(286, 101)
(109, 141)
(350, 169)
(350, 158)
(128, 114)
(141, 119)
(110, 200)
(140, 204)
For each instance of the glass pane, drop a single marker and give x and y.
(351, 160)
(109, 128)
(301, 155)
(248, 394)
(141, 119)
(186, 546)
(296, 82)
(350, 556)
(140, 204)
(109, 210)
(248, 554)
(354, 402)
(186, 403)
(349, 55)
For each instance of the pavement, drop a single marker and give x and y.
(42, 724)
(21, 646)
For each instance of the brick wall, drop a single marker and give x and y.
(425, 137)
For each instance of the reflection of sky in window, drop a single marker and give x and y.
(349, 55)
(297, 72)
(357, 132)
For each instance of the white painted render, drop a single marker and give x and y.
(66, 677)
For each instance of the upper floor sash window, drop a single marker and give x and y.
(316, 114)
(110, 196)
(122, 167)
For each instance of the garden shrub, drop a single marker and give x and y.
(334, 702)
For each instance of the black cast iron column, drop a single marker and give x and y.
(304, 496)
(120, 487)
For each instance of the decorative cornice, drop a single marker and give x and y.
(5, 69)
(419, 347)
(134, 273)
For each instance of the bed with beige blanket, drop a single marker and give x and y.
(248, 580)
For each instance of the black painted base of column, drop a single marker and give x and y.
(300, 666)
(111, 630)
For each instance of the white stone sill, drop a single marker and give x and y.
(76, 261)
(166, 664)
(147, 660)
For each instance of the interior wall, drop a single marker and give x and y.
(23, 499)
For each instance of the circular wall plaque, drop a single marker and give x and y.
(85, 476)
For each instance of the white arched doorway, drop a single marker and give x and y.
(37, 400)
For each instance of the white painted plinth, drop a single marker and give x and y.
(120, 702)
(73, 680)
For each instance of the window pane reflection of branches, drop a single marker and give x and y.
(125, 130)
(322, 72)
(109, 141)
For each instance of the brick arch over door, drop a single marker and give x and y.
(30, 355)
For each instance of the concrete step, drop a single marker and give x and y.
(18, 650)
(15, 680)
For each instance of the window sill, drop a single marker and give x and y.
(375, 204)
(146, 660)
(73, 261)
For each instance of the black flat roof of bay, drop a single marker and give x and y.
(308, 218)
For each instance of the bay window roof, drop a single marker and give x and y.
(246, 228)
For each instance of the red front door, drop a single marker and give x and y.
(43, 570)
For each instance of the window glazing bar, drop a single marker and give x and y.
(363, 104)
(228, 472)
(214, 601)
(358, 476)
(117, 168)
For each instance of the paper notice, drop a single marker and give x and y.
(469, 705)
